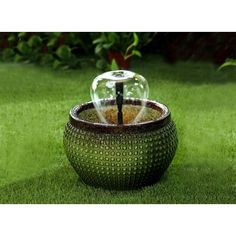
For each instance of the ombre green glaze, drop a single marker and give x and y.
(120, 157)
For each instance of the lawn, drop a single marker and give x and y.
(34, 106)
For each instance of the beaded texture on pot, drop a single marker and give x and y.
(122, 161)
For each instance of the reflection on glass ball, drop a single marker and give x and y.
(120, 83)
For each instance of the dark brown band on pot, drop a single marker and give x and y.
(111, 128)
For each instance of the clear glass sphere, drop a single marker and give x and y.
(126, 84)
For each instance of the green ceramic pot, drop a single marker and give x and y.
(120, 157)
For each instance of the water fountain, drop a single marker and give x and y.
(121, 139)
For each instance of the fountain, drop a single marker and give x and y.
(121, 139)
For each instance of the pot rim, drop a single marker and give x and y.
(85, 124)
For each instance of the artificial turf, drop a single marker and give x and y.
(34, 106)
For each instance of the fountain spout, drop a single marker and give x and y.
(119, 101)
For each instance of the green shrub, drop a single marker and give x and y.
(68, 50)
(228, 62)
(127, 44)
(55, 49)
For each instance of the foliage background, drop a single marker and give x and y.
(71, 50)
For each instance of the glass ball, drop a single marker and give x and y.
(120, 83)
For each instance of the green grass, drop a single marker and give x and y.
(34, 106)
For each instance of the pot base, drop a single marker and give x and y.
(120, 157)
(120, 161)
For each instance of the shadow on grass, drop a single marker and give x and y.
(195, 72)
(181, 184)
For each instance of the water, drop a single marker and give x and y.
(129, 112)
(104, 88)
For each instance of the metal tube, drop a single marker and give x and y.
(119, 101)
